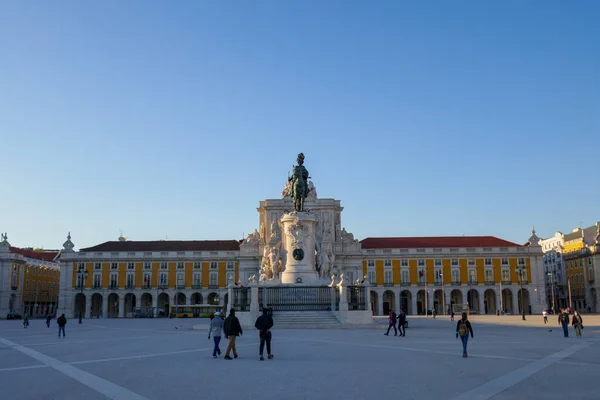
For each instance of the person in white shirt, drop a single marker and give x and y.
(545, 315)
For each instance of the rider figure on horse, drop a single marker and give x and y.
(299, 180)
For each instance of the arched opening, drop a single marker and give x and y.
(196, 298)
(525, 300)
(113, 305)
(489, 301)
(374, 299)
(594, 300)
(213, 299)
(473, 300)
(406, 302)
(96, 305)
(130, 302)
(507, 301)
(146, 303)
(79, 305)
(389, 299)
(421, 302)
(179, 299)
(439, 303)
(456, 300)
(163, 305)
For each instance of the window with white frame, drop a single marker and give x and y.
(214, 278)
(421, 262)
(147, 279)
(387, 277)
(455, 262)
(370, 263)
(404, 263)
(371, 277)
(80, 267)
(438, 275)
(505, 275)
(471, 262)
(163, 279)
(114, 266)
(438, 262)
(387, 263)
(489, 275)
(455, 276)
(43, 285)
(180, 280)
(472, 275)
(197, 277)
(521, 261)
(130, 278)
(197, 265)
(230, 278)
(505, 261)
(405, 277)
(590, 261)
(164, 265)
(230, 264)
(114, 280)
(45, 272)
(214, 265)
(97, 266)
(130, 266)
(27, 284)
(97, 280)
(488, 261)
(147, 265)
(180, 265)
(422, 275)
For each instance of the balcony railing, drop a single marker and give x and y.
(163, 286)
(438, 283)
(506, 282)
(456, 283)
(114, 286)
(197, 286)
(146, 286)
(420, 283)
(490, 282)
(388, 284)
(473, 282)
(213, 286)
(130, 286)
(404, 283)
(97, 286)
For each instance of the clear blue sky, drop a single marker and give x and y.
(174, 119)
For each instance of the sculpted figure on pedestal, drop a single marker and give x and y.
(299, 183)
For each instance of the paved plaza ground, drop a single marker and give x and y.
(151, 359)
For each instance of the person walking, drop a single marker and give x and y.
(48, 319)
(463, 328)
(451, 315)
(563, 319)
(26, 321)
(401, 323)
(392, 323)
(434, 312)
(62, 321)
(264, 323)
(545, 315)
(215, 329)
(577, 323)
(232, 330)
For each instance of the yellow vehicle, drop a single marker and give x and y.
(193, 311)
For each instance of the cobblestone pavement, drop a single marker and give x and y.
(160, 359)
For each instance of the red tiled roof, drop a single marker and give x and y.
(167, 245)
(38, 255)
(434, 241)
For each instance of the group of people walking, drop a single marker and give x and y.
(61, 321)
(232, 329)
(576, 321)
(401, 320)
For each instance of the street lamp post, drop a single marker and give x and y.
(521, 271)
(81, 277)
(551, 275)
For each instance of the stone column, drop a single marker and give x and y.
(254, 306)
(515, 304)
(343, 298)
(88, 307)
(413, 299)
(367, 298)
(105, 306)
(379, 303)
(481, 302)
(155, 305)
(121, 306)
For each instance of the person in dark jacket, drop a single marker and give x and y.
(577, 322)
(563, 319)
(48, 319)
(62, 321)
(392, 322)
(232, 329)
(463, 328)
(264, 323)
(401, 323)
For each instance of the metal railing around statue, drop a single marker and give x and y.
(299, 298)
(241, 299)
(356, 297)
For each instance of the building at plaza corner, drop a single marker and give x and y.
(29, 280)
(300, 242)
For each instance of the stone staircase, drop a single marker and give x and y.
(305, 320)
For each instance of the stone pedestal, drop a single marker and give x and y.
(298, 245)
